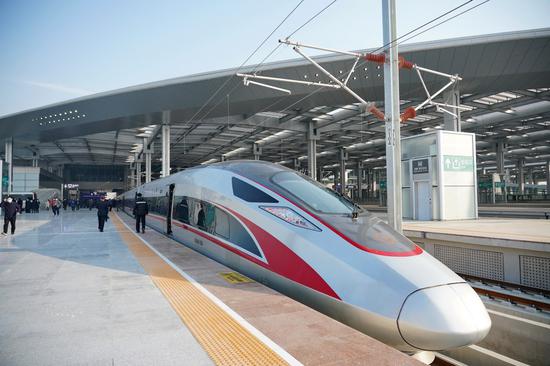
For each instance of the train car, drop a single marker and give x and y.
(304, 240)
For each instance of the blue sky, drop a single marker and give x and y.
(53, 50)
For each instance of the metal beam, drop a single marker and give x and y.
(116, 144)
(63, 151)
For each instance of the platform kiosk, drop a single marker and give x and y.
(439, 176)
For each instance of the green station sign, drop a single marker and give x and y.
(489, 185)
(458, 163)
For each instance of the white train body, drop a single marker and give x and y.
(274, 226)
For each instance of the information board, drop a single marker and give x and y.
(421, 166)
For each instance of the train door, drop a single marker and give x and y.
(169, 209)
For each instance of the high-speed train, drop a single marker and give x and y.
(304, 240)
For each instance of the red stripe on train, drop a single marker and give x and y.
(280, 258)
(284, 261)
(417, 250)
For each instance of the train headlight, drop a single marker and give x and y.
(290, 216)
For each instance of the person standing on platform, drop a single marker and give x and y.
(102, 213)
(65, 204)
(28, 205)
(11, 209)
(55, 206)
(141, 209)
(20, 204)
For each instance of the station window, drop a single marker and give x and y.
(249, 193)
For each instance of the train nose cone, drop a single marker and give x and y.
(443, 317)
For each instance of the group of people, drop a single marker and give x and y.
(12, 207)
(29, 205)
(141, 209)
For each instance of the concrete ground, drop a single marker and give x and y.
(70, 295)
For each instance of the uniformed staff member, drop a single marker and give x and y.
(102, 213)
(141, 209)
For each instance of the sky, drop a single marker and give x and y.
(54, 50)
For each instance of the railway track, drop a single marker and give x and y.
(511, 292)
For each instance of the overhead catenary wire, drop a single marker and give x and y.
(257, 66)
(438, 24)
(243, 63)
(383, 47)
(387, 45)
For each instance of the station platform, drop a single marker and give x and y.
(511, 250)
(71, 295)
(533, 234)
(528, 210)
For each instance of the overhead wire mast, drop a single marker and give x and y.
(336, 83)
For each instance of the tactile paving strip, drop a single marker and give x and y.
(223, 338)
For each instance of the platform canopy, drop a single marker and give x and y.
(505, 87)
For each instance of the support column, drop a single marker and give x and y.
(359, 181)
(148, 168)
(165, 150)
(148, 150)
(547, 166)
(138, 171)
(500, 150)
(521, 176)
(132, 175)
(35, 158)
(257, 151)
(393, 123)
(312, 137)
(452, 97)
(9, 160)
(343, 158)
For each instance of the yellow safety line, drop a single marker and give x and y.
(223, 338)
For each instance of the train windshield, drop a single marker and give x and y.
(315, 195)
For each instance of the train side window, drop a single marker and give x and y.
(240, 237)
(181, 209)
(250, 193)
(222, 224)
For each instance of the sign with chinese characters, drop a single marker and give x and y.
(70, 186)
(421, 166)
(458, 163)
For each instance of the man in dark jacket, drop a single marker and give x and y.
(11, 208)
(141, 209)
(102, 213)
